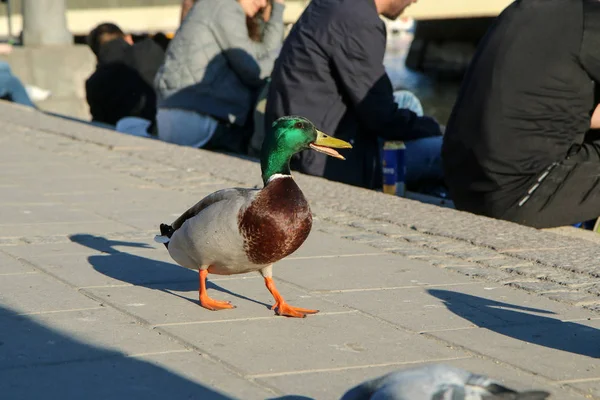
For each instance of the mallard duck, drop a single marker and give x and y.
(238, 230)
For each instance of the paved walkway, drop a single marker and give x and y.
(91, 307)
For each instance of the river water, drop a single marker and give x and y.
(437, 92)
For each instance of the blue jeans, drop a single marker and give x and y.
(423, 156)
(11, 87)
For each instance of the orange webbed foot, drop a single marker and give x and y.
(283, 308)
(286, 310)
(215, 305)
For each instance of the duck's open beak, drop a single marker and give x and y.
(326, 144)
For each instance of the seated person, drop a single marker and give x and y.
(213, 71)
(122, 84)
(518, 145)
(330, 70)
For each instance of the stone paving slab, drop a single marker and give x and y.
(30, 293)
(362, 272)
(557, 350)
(53, 343)
(101, 372)
(111, 196)
(115, 268)
(279, 345)
(13, 215)
(319, 244)
(398, 282)
(49, 252)
(591, 388)
(176, 375)
(457, 307)
(142, 219)
(10, 266)
(96, 226)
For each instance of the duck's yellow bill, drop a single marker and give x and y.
(326, 144)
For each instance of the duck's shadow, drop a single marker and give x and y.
(142, 271)
(519, 322)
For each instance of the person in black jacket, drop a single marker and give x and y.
(122, 84)
(330, 70)
(519, 144)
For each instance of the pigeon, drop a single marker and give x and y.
(437, 382)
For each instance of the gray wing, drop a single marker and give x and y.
(493, 390)
(212, 198)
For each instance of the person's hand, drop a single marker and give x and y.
(266, 12)
(595, 121)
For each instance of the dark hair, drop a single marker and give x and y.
(100, 33)
(254, 28)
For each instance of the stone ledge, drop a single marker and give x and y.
(559, 267)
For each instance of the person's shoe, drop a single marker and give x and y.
(36, 93)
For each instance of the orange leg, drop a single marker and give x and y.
(206, 301)
(281, 307)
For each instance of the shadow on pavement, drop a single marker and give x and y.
(518, 323)
(142, 271)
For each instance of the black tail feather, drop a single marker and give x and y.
(166, 230)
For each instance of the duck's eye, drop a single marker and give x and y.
(299, 125)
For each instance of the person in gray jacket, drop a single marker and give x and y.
(213, 71)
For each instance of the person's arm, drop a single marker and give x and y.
(358, 61)
(252, 61)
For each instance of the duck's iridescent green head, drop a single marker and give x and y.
(290, 135)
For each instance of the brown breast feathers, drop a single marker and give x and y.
(277, 222)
